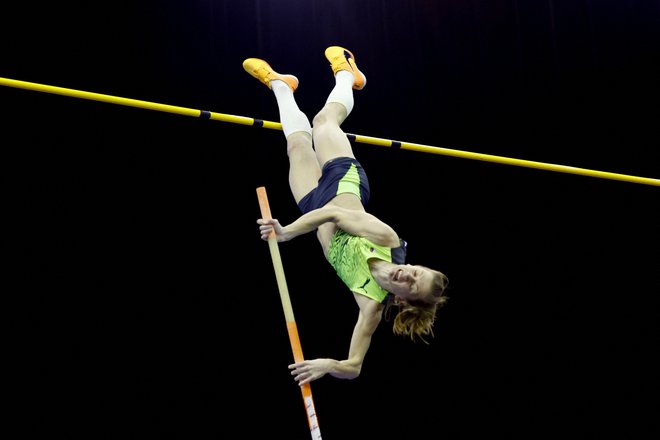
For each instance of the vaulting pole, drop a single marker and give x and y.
(205, 114)
(288, 313)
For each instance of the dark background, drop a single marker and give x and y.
(142, 304)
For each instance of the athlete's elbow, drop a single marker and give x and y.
(350, 375)
(348, 370)
(355, 371)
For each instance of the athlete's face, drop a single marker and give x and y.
(411, 282)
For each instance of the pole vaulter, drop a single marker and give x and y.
(288, 313)
(205, 114)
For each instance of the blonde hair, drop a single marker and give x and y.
(416, 318)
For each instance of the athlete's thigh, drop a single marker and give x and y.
(331, 142)
(304, 169)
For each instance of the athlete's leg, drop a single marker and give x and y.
(304, 169)
(329, 139)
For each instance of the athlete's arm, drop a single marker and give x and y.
(368, 319)
(358, 223)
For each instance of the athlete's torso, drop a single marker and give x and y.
(349, 256)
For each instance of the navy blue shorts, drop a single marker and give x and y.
(339, 176)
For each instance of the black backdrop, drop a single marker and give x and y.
(146, 306)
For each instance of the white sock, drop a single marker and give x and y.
(291, 117)
(343, 90)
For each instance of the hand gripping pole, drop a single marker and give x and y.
(288, 313)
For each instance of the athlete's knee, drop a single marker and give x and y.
(332, 113)
(298, 141)
(321, 118)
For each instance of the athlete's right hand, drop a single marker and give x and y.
(266, 227)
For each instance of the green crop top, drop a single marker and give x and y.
(349, 256)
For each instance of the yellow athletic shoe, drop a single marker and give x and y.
(343, 59)
(264, 73)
